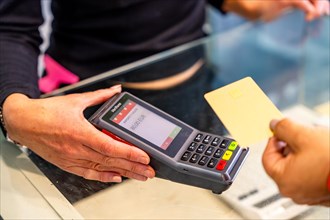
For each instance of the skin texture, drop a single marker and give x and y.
(55, 129)
(297, 157)
(268, 10)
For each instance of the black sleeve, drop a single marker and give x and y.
(19, 47)
(217, 4)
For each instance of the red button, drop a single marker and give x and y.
(221, 165)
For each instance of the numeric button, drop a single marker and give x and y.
(192, 146)
(209, 151)
(207, 139)
(215, 141)
(203, 161)
(212, 163)
(198, 137)
(194, 158)
(200, 148)
(224, 143)
(185, 156)
(218, 153)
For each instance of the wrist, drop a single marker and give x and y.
(12, 102)
(10, 109)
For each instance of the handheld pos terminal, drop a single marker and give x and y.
(178, 152)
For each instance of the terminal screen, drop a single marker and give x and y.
(145, 124)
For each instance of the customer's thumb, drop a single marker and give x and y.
(287, 131)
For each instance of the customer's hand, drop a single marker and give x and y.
(268, 10)
(298, 159)
(55, 129)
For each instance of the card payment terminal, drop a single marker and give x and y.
(178, 152)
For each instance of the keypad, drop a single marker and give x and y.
(211, 152)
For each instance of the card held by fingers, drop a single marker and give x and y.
(245, 110)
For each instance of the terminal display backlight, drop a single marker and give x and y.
(145, 124)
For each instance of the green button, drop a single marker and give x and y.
(233, 145)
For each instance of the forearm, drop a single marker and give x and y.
(19, 47)
(18, 72)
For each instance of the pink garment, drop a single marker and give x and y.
(56, 75)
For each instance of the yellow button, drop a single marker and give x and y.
(232, 145)
(227, 155)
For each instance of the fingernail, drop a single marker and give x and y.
(280, 145)
(116, 86)
(143, 160)
(116, 179)
(273, 124)
(148, 174)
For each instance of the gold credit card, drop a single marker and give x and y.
(245, 110)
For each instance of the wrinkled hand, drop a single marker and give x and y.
(55, 129)
(268, 10)
(298, 159)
